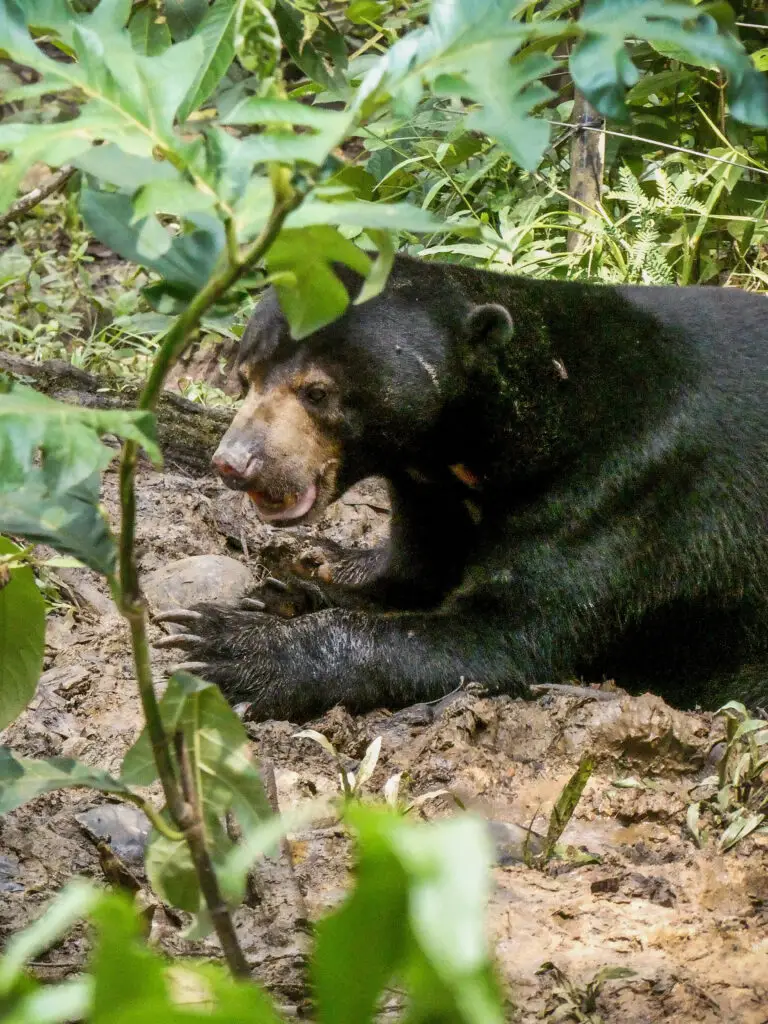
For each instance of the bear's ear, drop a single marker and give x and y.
(489, 321)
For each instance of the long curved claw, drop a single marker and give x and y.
(252, 604)
(276, 583)
(189, 666)
(178, 640)
(180, 615)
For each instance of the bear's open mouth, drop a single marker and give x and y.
(287, 508)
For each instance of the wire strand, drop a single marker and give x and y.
(661, 145)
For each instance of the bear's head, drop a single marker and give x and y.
(363, 396)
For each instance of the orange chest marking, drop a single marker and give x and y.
(466, 476)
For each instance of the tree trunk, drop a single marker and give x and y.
(188, 433)
(587, 166)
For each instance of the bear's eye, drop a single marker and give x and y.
(316, 393)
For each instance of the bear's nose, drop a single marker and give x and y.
(225, 468)
(236, 467)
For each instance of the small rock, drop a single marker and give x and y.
(602, 885)
(123, 826)
(651, 888)
(198, 578)
(514, 844)
(9, 870)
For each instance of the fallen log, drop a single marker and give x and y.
(188, 433)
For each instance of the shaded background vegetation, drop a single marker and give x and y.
(684, 194)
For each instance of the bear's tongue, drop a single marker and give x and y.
(293, 506)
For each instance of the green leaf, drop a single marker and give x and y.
(128, 982)
(189, 259)
(316, 297)
(604, 71)
(110, 15)
(284, 147)
(220, 751)
(566, 804)
(358, 214)
(22, 637)
(748, 96)
(739, 829)
(68, 436)
(378, 903)
(601, 65)
(466, 50)
(184, 16)
(47, 15)
(660, 83)
(58, 502)
(176, 198)
(416, 915)
(24, 778)
(53, 1004)
(74, 902)
(322, 67)
(760, 59)
(72, 522)
(217, 32)
(53, 144)
(238, 1000)
(124, 970)
(361, 12)
(172, 874)
(448, 865)
(14, 265)
(507, 92)
(253, 110)
(131, 98)
(377, 279)
(131, 983)
(150, 34)
(330, 128)
(111, 164)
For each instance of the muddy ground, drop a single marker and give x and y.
(692, 924)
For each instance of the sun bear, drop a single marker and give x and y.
(579, 484)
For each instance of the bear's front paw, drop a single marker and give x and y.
(288, 599)
(242, 651)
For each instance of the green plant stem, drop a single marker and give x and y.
(136, 616)
(126, 587)
(194, 833)
(177, 338)
(155, 818)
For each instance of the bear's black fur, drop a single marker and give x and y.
(579, 478)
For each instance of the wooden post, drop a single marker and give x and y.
(587, 165)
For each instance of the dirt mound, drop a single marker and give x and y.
(692, 925)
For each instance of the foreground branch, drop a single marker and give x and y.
(180, 793)
(194, 832)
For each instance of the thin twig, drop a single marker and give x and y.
(36, 195)
(566, 690)
(194, 833)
